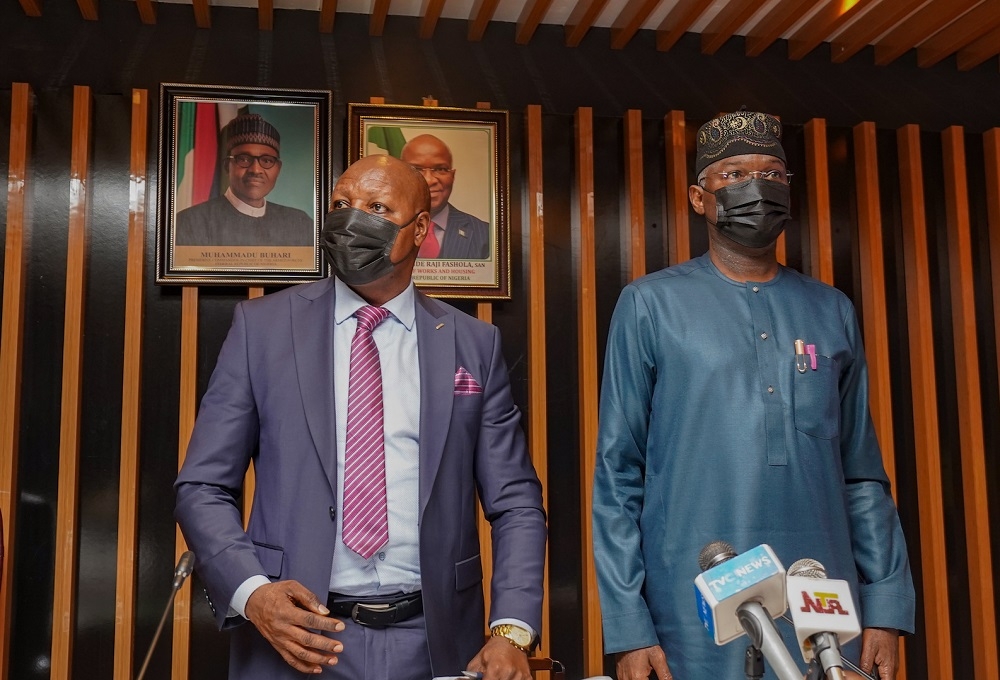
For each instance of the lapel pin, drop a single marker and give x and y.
(461, 232)
(439, 327)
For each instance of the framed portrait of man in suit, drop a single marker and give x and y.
(243, 184)
(463, 156)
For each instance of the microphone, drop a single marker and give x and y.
(741, 594)
(823, 613)
(183, 569)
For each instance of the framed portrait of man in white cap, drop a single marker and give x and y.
(244, 181)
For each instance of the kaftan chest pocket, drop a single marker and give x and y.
(816, 398)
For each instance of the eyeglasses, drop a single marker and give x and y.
(437, 171)
(245, 160)
(734, 176)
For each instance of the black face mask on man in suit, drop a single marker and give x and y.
(753, 212)
(358, 244)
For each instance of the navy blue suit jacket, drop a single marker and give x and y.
(466, 238)
(271, 399)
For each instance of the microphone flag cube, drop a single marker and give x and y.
(756, 575)
(821, 605)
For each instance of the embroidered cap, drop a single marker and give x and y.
(251, 128)
(735, 134)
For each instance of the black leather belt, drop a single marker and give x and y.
(377, 614)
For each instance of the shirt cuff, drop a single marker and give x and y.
(238, 605)
(516, 622)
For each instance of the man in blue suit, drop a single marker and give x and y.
(410, 605)
(455, 234)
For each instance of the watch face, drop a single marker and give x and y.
(519, 635)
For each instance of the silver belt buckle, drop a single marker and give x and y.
(358, 607)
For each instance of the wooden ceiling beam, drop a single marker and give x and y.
(202, 14)
(782, 16)
(265, 15)
(147, 11)
(581, 19)
(532, 15)
(678, 21)
(430, 12)
(876, 21)
(918, 27)
(88, 9)
(966, 30)
(376, 24)
(725, 24)
(630, 20)
(822, 25)
(979, 51)
(479, 18)
(33, 8)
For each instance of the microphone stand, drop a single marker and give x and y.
(183, 570)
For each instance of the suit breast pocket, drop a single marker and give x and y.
(816, 399)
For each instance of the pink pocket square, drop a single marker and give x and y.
(465, 384)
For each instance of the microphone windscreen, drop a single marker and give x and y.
(715, 553)
(807, 568)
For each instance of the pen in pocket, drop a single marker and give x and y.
(800, 355)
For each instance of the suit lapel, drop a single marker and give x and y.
(436, 348)
(312, 337)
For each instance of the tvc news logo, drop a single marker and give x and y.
(823, 603)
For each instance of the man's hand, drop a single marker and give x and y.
(284, 612)
(637, 663)
(880, 647)
(500, 660)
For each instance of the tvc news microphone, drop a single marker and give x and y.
(824, 615)
(741, 594)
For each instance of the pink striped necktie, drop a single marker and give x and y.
(366, 520)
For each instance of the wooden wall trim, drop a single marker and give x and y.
(187, 408)
(484, 312)
(250, 478)
(923, 389)
(586, 267)
(678, 241)
(537, 385)
(635, 207)
(64, 597)
(818, 182)
(974, 490)
(128, 477)
(12, 343)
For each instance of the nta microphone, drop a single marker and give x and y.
(823, 613)
(739, 594)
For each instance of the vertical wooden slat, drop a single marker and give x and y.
(821, 239)
(250, 479)
(991, 148)
(593, 654)
(484, 312)
(63, 602)
(974, 491)
(872, 263)
(923, 383)
(537, 385)
(128, 478)
(12, 343)
(678, 241)
(636, 208)
(186, 414)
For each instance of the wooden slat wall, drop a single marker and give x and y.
(925, 412)
(940, 607)
(128, 476)
(64, 598)
(593, 655)
(186, 413)
(537, 384)
(974, 491)
(12, 344)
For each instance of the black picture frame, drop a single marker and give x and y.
(477, 142)
(218, 240)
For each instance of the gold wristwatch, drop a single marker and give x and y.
(521, 638)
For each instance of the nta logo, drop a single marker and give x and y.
(822, 603)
